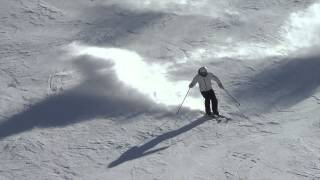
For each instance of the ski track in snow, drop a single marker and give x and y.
(61, 118)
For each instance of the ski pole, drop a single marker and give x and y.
(183, 101)
(233, 98)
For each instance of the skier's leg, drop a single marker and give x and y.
(206, 96)
(214, 102)
(207, 104)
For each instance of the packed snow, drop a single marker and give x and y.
(90, 89)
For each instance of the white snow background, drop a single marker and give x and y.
(89, 89)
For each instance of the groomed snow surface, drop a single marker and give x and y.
(89, 89)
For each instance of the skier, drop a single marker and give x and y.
(203, 78)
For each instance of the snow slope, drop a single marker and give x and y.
(89, 90)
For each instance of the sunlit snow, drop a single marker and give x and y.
(148, 79)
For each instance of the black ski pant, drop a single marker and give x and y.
(210, 96)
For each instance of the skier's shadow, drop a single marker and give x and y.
(145, 149)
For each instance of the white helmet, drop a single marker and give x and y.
(203, 71)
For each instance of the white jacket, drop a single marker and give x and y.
(205, 82)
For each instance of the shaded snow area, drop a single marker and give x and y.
(89, 89)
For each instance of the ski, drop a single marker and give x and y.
(218, 118)
(227, 119)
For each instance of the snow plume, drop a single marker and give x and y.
(148, 79)
(302, 29)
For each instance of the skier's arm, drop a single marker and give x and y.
(215, 78)
(193, 83)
